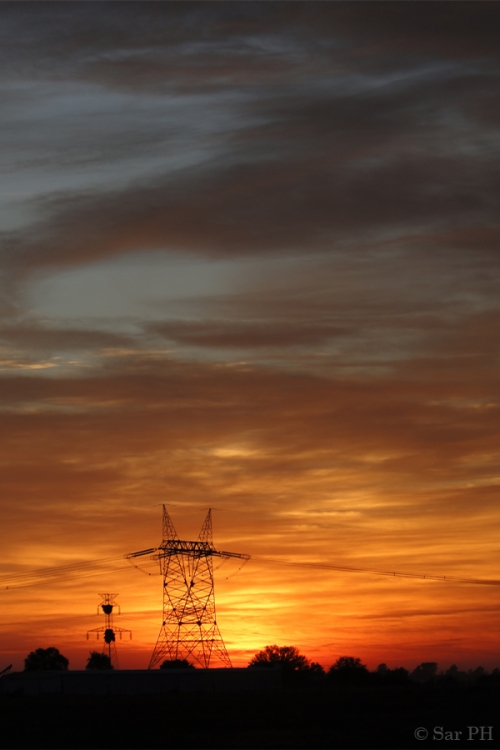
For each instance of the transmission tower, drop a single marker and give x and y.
(189, 628)
(108, 630)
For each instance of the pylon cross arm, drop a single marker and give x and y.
(179, 547)
(231, 554)
(140, 553)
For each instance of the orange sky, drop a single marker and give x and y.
(251, 263)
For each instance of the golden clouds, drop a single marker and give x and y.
(374, 472)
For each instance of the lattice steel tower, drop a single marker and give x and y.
(189, 629)
(108, 630)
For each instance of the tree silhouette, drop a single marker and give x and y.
(397, 676)
(98, 660)
(177, 664)
(477, 673)
(315, 671)
(425, 672)
(295, 667)
(385, 676)
(288, 656)
(348, 669)
(45, 658)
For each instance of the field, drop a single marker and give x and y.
(328, 717)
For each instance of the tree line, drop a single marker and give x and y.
(296, 668)
(349, 670)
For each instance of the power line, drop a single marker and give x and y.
(390, 573)
(85, 569)
(61, 572)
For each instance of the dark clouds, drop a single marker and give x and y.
(241, 336)
(357, 151)
(263, 209)
(233, 31)
(37, 337)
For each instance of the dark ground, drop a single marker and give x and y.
(316, 718)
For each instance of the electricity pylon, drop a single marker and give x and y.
(108, 630)
(189, 628)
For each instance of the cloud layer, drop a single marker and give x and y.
(250, 261)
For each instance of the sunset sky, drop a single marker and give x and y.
(251, 261)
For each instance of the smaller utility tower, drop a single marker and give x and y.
(108, 630)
